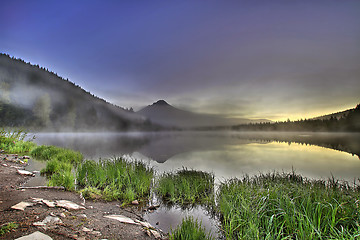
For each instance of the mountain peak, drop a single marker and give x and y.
(160, 102)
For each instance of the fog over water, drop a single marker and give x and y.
(226, 154)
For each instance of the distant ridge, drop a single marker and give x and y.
(161, 112)
(336, 115)
(33, 97)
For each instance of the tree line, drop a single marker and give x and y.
(349, 122)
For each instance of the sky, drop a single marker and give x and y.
(253, 59)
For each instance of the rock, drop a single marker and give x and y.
(47, 220)
(35, 236)
(26, 173)
(5, 165)
(122, 219)
(144, 224)
(153, 207)
(85, 229)
(95, 233)
(62, 215)
(37, 200)
(135, 202)
(68, 205)
(22, 205)
(82, 216)
(91, 231)
(48, 203)
(155, 233)
(25, 157)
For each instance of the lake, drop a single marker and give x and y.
(226, 154)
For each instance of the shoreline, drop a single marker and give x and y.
(88, 223)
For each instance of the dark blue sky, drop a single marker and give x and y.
(256, 59)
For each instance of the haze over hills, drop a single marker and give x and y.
(35, 98)
(164, 114)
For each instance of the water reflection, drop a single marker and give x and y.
(227, 154)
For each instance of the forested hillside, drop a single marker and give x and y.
(349, 121)
(36, 98)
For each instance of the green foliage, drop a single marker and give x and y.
(60, 162)
(56, 153)
(91, 193)
(42, 110)
(186, 187)
(12, 141)
(8, 227)
(118, 179)
(286, 206)
(54, 165)
(189, 229)
(63, 178)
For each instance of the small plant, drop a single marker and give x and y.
(91, 193)
(8, 227)
(189, 229)
(186, 187)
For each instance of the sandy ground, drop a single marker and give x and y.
(88, 223)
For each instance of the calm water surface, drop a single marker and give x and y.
(226, 154)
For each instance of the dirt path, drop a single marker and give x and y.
(88, 223)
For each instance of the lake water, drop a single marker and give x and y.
(226, 154)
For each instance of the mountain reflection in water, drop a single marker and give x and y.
(227, 154)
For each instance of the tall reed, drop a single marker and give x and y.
(186, 187)
(189, 229)
(287, 206)
(117, 179)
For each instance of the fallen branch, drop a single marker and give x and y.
(44, 187)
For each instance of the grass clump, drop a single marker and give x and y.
(117, 179)
(186, 187)
(55, 165)
(63, 178)
(14, 141)
(189, 229)
(56, 153)
(91, 193)
(286, 206)
(59, 165)
(8, 227)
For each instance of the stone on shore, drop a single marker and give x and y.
(35, 236)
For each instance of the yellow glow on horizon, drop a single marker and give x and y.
(284, 116)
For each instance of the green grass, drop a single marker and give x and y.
(186, 187)
(59, 165)
(189, 229)
(8, 227)
(287, 206)
(117, 179)
(63, 178)
(12, 141)
(56, 153)
(54, 166)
